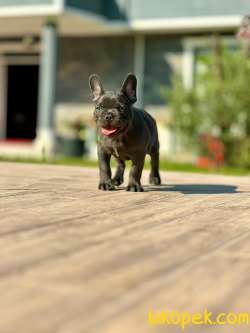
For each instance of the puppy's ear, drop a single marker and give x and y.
(129, 87)
(96, 86)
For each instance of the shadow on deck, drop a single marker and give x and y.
(195, 188)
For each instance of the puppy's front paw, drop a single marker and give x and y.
(117, 181)
(154, 179)
(106, 185)
(134, 187)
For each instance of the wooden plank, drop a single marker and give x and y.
(75, 259)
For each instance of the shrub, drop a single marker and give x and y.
(218, 105)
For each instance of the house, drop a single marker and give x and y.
(48, 48)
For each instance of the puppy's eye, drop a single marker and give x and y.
(121, 108)
(98, 108)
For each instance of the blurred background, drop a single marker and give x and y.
(193, 75)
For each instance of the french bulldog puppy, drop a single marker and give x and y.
(125, 132)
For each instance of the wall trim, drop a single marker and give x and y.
(55, 8)
(186, 23)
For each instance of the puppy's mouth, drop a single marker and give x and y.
(109, 130)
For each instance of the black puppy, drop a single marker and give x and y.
(125, 132)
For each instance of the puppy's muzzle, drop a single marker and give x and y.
(108, 117)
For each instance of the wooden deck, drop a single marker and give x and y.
(75, 259)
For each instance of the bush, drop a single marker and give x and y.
(218, 105)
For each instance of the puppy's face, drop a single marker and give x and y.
(113, 110)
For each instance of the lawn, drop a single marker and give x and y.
(164, 165)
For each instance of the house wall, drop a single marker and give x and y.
(163, 57)
(130, 10)
(111, 9)
(161, 9)
(110, 57)
(192, 8)
(94, 6)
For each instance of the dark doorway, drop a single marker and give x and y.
(22, 101)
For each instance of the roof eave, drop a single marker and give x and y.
(183, 24)
(54, 9)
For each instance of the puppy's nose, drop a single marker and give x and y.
(108, 117)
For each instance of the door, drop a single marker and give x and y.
(22, 101)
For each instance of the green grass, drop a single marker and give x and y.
(188, 167)
(164, 165)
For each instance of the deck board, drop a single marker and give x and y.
(75, 259)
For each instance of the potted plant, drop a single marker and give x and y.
(72, 143)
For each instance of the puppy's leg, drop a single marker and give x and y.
(154, 176)
(105, 171)
(118, 177)
(134, 184)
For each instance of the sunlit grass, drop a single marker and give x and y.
(164, 165)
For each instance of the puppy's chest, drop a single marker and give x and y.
(118, 148)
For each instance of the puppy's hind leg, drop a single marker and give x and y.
(118, 177)
(154, 176)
